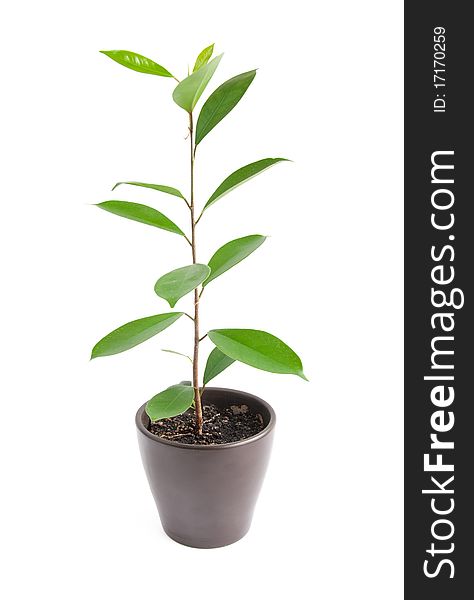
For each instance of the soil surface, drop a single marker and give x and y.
(220, 426)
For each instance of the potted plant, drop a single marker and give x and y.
(205, 449)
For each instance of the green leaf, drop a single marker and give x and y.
(258, 349)
(178, 353)
(171, 402)
(203, 57)
(137, 62)
(216, 363)
(232, 253)
(240, 176)
(176, 284)
(160, 188)
(131, 334)
(221, 102)
(189, 90)
(141, 213)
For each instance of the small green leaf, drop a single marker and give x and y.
(137, 62)
(216, 363)
(258, 349)
(160, 188)
(232, 253)
(176, 284)
(171, 402)
(189, 90)
(203, 57)
(221, 102)
(131, 334)
(141, 213)
(178, 353)
(240, 176)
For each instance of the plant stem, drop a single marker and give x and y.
(197, 393)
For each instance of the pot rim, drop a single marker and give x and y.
(254, 438)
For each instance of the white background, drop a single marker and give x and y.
(78, 520)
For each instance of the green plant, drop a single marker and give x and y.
(256, 348)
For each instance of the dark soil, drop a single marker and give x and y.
(220, 426)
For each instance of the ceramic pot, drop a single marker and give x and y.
(206, 495)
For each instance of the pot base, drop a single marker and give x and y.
(204, 545)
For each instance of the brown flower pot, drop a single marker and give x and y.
(206, 495)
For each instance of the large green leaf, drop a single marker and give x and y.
(203, 57)
(131, 334)
(170, 402)
(221, 102)
(153, 186)
(141, 213)
(216, 363)
(176, 284)
(137, 62)
(232, 253)
(188, 91)
(240, 176)
(258, 349)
